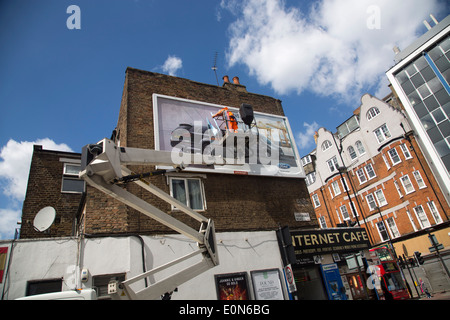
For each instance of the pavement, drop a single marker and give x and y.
(438, 296)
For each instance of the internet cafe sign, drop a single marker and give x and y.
(329, 241)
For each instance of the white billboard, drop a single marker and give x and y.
(207, 137)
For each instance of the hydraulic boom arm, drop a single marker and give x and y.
(104, 165)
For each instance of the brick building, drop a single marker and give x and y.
(95, 232)
(53, 181)
(371, 173)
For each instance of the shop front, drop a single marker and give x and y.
(330, 264)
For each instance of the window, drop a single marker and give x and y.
(316, 201)
(70, 181)
(326, 145)
(360, 147)
(419, 179)
(405, 151)
(388, 166)
(344, 212)
(189, 192)
(310, 178)
(411, 220)
(422, 217)
(344, 184)
(393, 227)
(380, 198)
(332, 164)
(361, 176)
(434, 212)
(382, 133)
(398, 189)
(352, 153)
(306, 160)
(372, 113)
(394, 156)
(353, 209)
(382, 231)
(336, 188)
(322, 222)
(43, 286)
(370, 172)
(371, 202)
(407, 185)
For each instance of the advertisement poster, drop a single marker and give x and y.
(232, 286)
(213, 138)
(267, 285)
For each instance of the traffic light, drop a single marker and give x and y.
(419, 257)
(401, 263)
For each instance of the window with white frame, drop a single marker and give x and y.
(71, 183)
(405, 151)
(434, 212)
(382, 231)
(188, 191)
(370, 172)
(422, 217)
(361, 176)
(326, 145)
(336, 188)
(419, 179)
(316, 201)
(394, 156)
(306, 160)
(411, 220)
(322, 222)
(360, 147)
(344, 212)
(371, 201)
(407, 185)
(382, 133)
(344, 184)
(380, 198)
(332, 164)
(400, 194)
(386, 162)
(372, 113)
(352, 152)
(310, 178)
(393, 227)
(353, 209)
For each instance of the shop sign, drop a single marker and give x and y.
(313, 242)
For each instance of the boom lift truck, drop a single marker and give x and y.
(105, 168)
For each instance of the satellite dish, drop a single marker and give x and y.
(44, 219)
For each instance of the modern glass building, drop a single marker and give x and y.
(421, 78)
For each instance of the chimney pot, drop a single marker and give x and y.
(226, 79)
(236, 80)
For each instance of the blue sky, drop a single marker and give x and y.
(62, 87)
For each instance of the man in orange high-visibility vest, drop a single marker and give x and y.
(229, 117)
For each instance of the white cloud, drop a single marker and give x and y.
(172, 64)
(338, 48)
(15, 160)
(305, 139)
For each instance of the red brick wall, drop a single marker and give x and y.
(418, 197)
(234, 202)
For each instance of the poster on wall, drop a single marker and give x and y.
(232, 286)
(207, 137)
(267, 284)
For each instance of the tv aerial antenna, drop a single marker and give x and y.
(214, 67)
